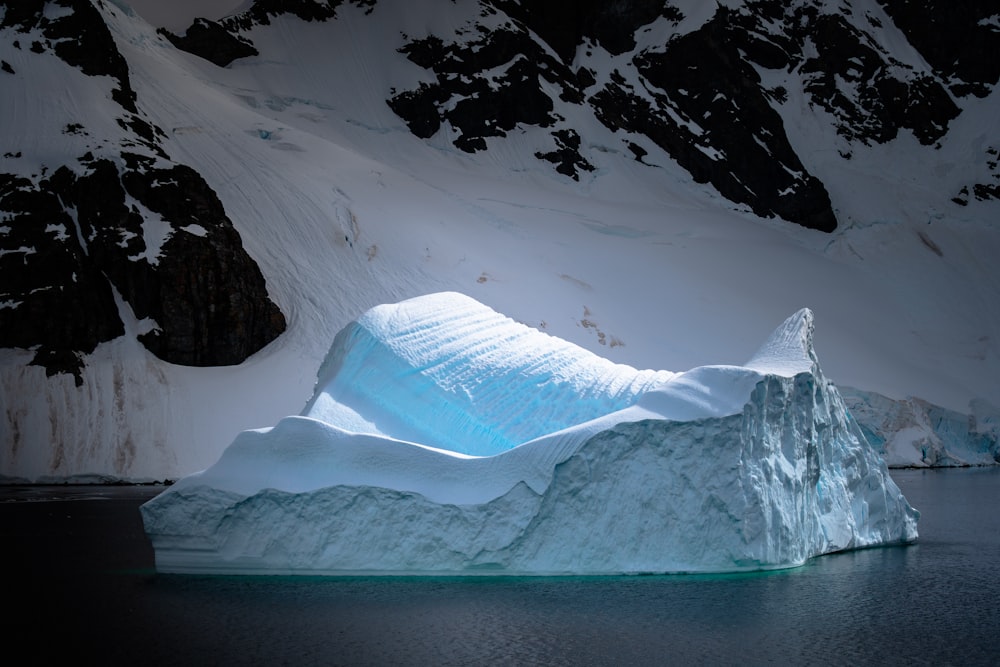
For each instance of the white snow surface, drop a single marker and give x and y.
(443, 437)
(343, 209)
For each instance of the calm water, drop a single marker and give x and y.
(84, 578)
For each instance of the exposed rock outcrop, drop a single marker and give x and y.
(121, 226)
(692, 88)
(209, 40)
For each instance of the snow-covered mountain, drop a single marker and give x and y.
(187, 220)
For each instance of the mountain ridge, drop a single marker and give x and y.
(555, 182)
(721, 57)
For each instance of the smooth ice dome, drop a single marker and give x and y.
(443, 437)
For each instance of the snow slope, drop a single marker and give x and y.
(343, 208)
(445, 437)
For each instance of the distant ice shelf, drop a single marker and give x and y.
(914, 433)
(445, 438)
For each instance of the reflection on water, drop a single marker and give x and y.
(934, 602)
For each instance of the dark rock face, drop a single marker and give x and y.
(261, 12)
(206, 296)
(128, 227)
(565, 24)
(699, 95)
(52, 297)
(730, 135)
(697, 98)
(80, 38)
(75, 239)
(960, 40)
(870, 96)
(209, 40)
(220, 42)
(479, 106)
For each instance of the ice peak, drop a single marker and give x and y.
(789, 350)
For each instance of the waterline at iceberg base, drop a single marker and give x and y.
(445, 438)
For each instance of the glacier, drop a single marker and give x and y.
(914, 433)
(443, 437)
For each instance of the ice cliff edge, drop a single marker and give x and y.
(443, 437)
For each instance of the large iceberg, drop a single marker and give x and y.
(443, 438)
(914, 433)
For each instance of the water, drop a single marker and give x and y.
(81, 572)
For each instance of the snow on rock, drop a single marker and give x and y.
(443, 437)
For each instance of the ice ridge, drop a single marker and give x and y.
(490, 383)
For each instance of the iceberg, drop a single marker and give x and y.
(914, 433)
(443, 437)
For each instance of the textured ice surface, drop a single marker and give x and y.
(443, 437)
(912, 432)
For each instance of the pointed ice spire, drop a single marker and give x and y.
(789, 350)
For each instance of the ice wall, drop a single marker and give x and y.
(577, 466)
(914, 433)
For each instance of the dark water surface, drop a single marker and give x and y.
(80, 588)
